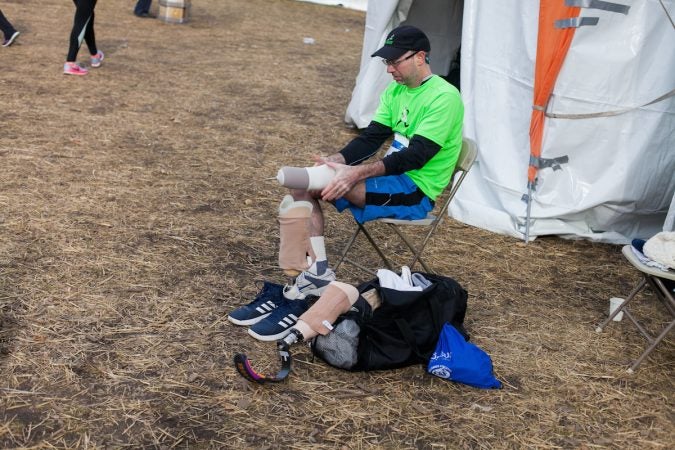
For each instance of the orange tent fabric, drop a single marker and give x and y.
(552, 46)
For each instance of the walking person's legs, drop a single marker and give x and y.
(89, 35)
(10, 33)
(142, 8)
(83, 15)
(90, 39)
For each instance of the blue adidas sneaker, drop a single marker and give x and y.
(278, 324)
(268, 299)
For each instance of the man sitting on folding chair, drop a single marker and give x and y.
(425, 114)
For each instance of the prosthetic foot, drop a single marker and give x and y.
(318, 319)
(294, 230)
(308, 178)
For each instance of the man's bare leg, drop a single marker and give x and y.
(316, 228)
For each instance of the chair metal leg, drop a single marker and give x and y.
(655, 342)
(360, 266)
(376, 247)
(418, 252)
(632, 295)
(643, 331)
(415, 251)
(349, 246)
(667, 298)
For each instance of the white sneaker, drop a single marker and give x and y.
(309, 284)
(10, 40)
(97, 59)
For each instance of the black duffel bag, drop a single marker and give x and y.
(402, 331)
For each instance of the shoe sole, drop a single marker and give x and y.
(247, 322)
(76, 74)
(11, 39)
(274, 337)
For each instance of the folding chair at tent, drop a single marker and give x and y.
(653, 278)
(467, 156)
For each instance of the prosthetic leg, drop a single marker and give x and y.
(294, 234)
(337, 299)
(319, 318)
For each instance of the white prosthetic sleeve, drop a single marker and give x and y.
(337, 299)
(308, 178)
(294, 231)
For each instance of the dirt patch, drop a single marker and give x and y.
(136, 210)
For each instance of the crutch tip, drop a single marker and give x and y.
(598, 329)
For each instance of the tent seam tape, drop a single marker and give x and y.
(608, 113)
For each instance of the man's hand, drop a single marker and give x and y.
(345, 178)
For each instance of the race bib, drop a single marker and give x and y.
(400, 143)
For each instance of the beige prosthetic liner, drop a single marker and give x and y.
(319, 318)
(294, 230)
(308, 178)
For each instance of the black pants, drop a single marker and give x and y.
(83, 28)
(7, 29)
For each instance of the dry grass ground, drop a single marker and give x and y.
(136, 210)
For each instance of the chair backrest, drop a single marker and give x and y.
(467, 156)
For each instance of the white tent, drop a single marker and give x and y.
(606, 167)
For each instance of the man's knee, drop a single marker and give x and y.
(301, 195)
(357, 196)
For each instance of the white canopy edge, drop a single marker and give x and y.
(360, 5)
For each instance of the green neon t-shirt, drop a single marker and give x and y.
(435, 111)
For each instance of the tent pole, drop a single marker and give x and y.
(527, 215)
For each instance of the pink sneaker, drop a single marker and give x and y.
(97, 59)
(74, 69)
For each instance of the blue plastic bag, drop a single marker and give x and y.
(457, 360)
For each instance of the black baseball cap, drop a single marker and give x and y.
(402, 39)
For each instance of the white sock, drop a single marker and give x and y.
(320, 264)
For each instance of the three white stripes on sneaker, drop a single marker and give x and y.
(266, 307)
(288, 321)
